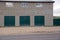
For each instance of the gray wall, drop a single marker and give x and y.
(17, 10)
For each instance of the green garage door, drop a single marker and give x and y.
(39, 20)
(56, 22)
(9, 20)
(24, 20)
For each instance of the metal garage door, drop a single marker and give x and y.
(39, 20)
(56, 22)
(9, 20)
(24, 20)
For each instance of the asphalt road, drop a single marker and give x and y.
(32, 37)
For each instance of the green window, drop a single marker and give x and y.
(9, 20)
(56, 22)
(24, 20)
(39, 20)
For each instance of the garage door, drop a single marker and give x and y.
(24, 20)
(39, 20)
(56, 22)
(9, 20)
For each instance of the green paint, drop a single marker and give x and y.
(24, 20)
(9, 20)
(56, 22)
(39, 20)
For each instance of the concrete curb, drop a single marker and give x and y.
(28, 30)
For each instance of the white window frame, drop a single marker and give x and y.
(39, 5)
(9, 4)
(24, 4)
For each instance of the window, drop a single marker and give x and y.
(24, 5)
(39, 5)
(9, 4)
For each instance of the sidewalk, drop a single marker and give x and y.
(28, 30)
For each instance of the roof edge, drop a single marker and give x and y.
(31, 1)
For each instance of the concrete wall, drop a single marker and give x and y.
(17, 10)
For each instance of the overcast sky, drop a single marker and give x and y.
(57, 8)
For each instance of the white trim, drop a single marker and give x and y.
(9, 4)
(39, 5)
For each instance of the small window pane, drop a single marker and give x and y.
(9, 4)
(39, 5)
(24, 5)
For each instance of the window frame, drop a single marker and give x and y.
(24, 4)
(9, 4)
(39, 5)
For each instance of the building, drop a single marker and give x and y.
(26, 13)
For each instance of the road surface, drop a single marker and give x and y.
(32, 37)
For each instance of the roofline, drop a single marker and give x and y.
(31, 1)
